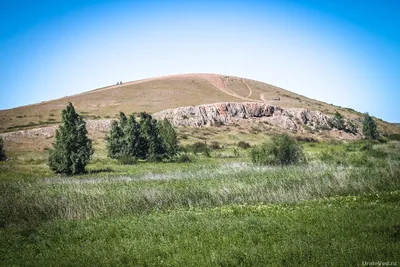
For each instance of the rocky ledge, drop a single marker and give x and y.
(231, 113)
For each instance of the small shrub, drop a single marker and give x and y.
(243, 145)
(306, 139)
(281, 150)
(183, 158)
(338, 121)
(215, 145)
(199, 147)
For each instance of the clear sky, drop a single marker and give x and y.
(342, 52)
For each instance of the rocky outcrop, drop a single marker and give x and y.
(231, 113)
(227, 113)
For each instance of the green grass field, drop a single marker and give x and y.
(339, 209)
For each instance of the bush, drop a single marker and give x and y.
(199, 147)
(72, 149)
(2, 154)
(370, 129)
(215, 145)
(243, 145)
(306, 139)
(338, 121)
(183, 158)
(281, 150)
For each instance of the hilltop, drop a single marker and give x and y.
(159, 94)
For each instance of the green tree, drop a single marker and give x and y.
(169, 137)
(136, 144)
(115, 141)
(2, 153)
(338, 121)
(72, 149)
(122, 119)
(370, 129)
(149, 130)
(281, 150)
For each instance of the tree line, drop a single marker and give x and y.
(146, 139)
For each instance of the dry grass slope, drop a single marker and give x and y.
(156, 94)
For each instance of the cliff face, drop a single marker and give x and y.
(231, 113)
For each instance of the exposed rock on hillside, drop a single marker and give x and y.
(231, 113)
(227, 113)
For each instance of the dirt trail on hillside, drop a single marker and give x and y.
(248, 87)
(221, 85)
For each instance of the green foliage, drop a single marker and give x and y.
(370, 129)
(338, 121)
(2, 153)
(215, 145)
(281, 150)
(199, 147)
(72, 149)
(183, 158)
(169, 137)
(150, 131)
(148, 139)
(115, 141)
(351, 127)
(394, 137)
(243, 145)
(234, 235)
(136, 144)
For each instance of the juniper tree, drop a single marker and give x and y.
(115, 141)
(72, 148)
(136, 145)
(149, 130)
(2, 154)
(370, 129)
(169, 137)
(122, 119)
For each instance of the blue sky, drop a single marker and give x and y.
(341, 52)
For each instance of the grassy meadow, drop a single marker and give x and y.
(341, 208)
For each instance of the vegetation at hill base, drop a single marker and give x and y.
(146, 139)
(72, 148)
(280, 150)
(339, 208)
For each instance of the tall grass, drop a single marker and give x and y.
(232, 183)
(340, 209)
(340, 231)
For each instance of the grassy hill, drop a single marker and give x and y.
(156, 94)
(339, 207)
